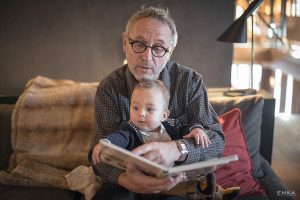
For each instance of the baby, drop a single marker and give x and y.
(149, 119)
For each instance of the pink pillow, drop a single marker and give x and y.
(238, 173)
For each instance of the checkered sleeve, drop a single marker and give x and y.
(201, 113)
(106, 121)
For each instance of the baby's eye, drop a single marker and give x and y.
(149, 109)
(135, 108)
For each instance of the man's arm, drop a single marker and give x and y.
(106, 121)
(200, 113)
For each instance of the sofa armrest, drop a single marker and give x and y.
(273, 185)
(267, 127)
(5, 130)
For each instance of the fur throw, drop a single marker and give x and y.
(52, 126)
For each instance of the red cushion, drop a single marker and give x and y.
(238, 173)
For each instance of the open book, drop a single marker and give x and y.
(117, 156)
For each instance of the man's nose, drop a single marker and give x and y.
(147, 54)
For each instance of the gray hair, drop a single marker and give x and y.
(160, 14)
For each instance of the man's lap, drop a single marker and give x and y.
(115, 192)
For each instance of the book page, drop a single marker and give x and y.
(117, 157)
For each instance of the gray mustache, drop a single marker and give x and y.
(145, 64)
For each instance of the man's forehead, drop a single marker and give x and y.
(150, 28)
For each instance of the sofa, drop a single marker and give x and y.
(250, 117)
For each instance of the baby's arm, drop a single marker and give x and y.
(200, 137)
(119, 138)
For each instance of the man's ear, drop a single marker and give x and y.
(166, 115)
(171, 51)
(124, 41)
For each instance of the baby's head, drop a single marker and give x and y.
(149, 105)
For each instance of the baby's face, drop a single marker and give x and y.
(147, 109)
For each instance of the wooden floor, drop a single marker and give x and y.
(286, 152)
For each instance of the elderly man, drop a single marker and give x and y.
(148, 42)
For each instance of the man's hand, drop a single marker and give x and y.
(164, 153)
(200, 136)
(136, 181)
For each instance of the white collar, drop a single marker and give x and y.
(160, 130)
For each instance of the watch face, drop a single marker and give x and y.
(183, 150)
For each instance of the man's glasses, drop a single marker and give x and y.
(140, 47)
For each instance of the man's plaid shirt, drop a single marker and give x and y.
(188, 103)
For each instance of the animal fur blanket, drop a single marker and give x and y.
(52, 126)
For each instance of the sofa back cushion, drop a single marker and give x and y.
(251, 109)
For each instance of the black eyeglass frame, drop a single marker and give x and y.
(132, 42)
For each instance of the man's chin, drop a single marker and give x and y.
(145, 77)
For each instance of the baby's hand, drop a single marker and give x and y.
(96, 154)
(97, 151)
(200, 137)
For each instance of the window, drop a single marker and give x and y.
(240, 76)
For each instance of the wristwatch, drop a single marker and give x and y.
(183, 151)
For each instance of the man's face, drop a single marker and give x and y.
(147, 108)
(145, 66)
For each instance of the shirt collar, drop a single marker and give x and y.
(131, 81)
(160, 130)
(165, 75)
